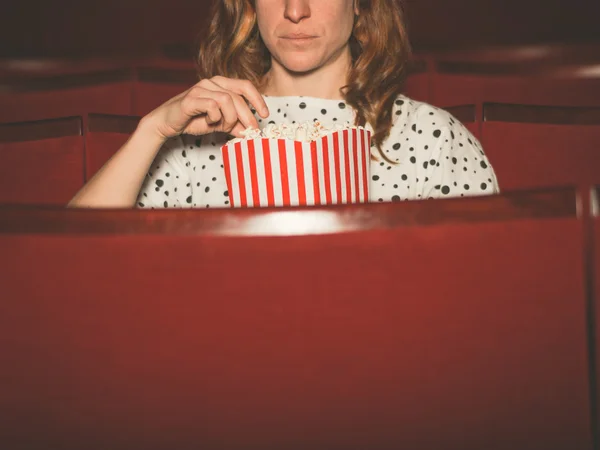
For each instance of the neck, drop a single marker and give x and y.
(323, 82)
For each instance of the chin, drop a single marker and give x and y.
(300, 65)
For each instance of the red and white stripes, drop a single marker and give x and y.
(279, 172)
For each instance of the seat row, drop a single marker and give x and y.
(451, 84)
(448, 324)
(557, 76)
(47, 162)
(113, 91)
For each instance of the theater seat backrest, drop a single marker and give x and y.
(594, 284)
(154, 86)
(107, 92)
(532, 146)
(105, 135)
(42, 162)
(459, 83)
(465, 329)
(417, 83)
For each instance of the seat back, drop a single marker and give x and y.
(417, 84)
(447, 324)
(105, 135)
(535, 146)
(594, 281)
(154, 86)
(20, 69)
(107, 92)
(523, 59)
(42, 162)
(457, 82)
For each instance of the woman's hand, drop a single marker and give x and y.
(216, 104)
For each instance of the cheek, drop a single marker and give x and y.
(339, 20)
(266, 18)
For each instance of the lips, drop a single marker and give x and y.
(298, 36)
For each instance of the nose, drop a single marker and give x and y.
(296, 10)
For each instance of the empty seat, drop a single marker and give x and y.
(535, 146)
(20, 69)
(107, 92)
(536, 74)
(440, 324)
(417, 83)
(154, 86)
(461, 83)
(521, 59)
(594, 281)
(105, 134)
(42, 162)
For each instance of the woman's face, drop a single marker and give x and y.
(327, 23)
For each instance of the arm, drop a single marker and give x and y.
(117, 183)
(218, 104)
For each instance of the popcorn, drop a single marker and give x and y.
(301, 164)
(304, 132)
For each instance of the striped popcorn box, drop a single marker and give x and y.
(281, 172)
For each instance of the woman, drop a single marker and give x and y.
(294, 61)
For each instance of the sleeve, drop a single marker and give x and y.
(458, 166)
(168, 182)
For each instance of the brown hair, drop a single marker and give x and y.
(232, 47)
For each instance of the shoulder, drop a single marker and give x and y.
(418, 115)
(422, 122)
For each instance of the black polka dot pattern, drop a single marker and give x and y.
(435, 156)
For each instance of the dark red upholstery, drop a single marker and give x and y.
(417, 87)
(594, 284)
(448, 89)
(42, 162)
(104, 136)
(12, 70)
(533, 147)
(454, 335)
(155, 86)
(417, 84)
(528, 58)
(68, 95)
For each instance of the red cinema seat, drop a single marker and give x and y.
(21, 69)
(107, 92)
(417, 84)
(452, 85)
(556, 74)
(535, 146)
(524, 59)
(594, 284)
(436, 324)
(154, 86)
(105, 135)
(42, 162)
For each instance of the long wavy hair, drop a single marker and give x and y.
(231, 46)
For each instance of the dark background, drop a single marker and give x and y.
(99, 27)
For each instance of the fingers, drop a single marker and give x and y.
(198, 126)
(238, 131)
(210, 119)
(218, 107)
(220, 104)
(244, 114)
(246, 89)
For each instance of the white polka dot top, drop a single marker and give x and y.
(435, 155)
